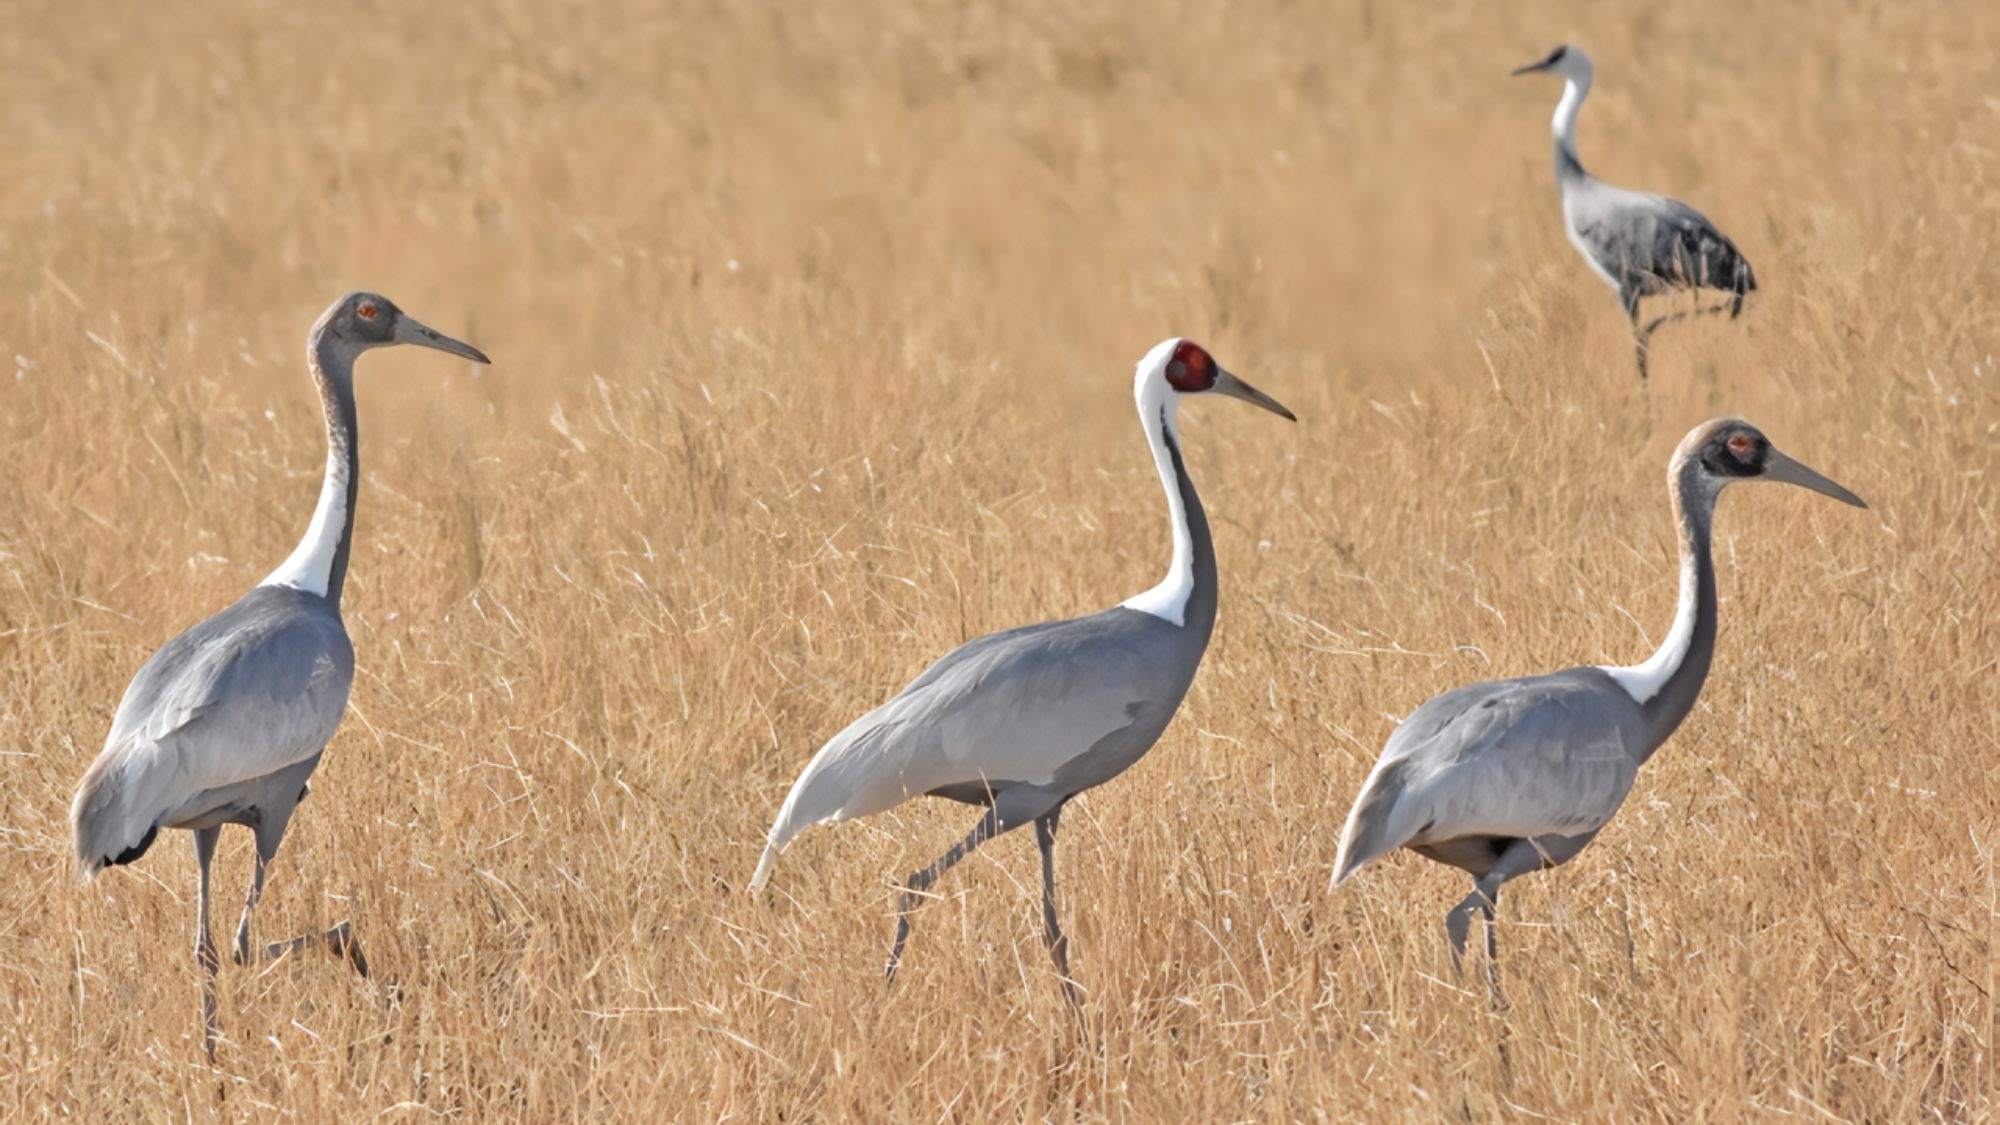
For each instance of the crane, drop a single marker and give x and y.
(1642, 245)
(1501, 779)
(226, 722)
(1019, 722)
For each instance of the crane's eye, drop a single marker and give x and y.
(1743, 446)
(1191, 369)
(366, 310)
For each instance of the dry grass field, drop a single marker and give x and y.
(813, 332)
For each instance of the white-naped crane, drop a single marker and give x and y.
(1021, 721)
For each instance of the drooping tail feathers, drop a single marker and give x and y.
(1371, 831)
(782, 830)
(106, 828)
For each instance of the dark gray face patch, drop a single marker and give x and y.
(369, 319)
(1736, 453)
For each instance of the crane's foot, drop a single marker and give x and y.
(339, 941)
(210, 1026)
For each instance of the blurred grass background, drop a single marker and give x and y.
(813, 332)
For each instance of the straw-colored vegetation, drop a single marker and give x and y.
(813, 330)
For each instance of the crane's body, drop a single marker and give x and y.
(1500, 779)
(226, 722)
(1021, 721)
(221, 726)
(1641, 245)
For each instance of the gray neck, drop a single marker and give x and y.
(336, 393)
(1199, 617)
(1694, 511)
(318, 565)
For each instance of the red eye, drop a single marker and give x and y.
(1742, 446)
(1191, 369)
(365, 312)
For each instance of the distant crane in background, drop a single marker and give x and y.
(1021, 721)
(225, 723)
(1501, 779)
(1640, 244)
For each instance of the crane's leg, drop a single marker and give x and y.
(1458, 923)
(338, 941)
(1052, 935)
(1518, 858)
(1628, 298)
(921, 881)
(242, 950)
(1684, 314)
(204, 944)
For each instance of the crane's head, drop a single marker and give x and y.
(1725, 450)
(1176, 369)
(1568, 61)
(360, 321)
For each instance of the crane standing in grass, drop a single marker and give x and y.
(227, 721)
(1640, 244)
(1500, 779)
(1021, 721)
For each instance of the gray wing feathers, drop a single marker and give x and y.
(249, 692)
(1519, 758)
(1652, 242)
(1011, 708)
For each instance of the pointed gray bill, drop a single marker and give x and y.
(1781, 467)
(1227, 384)
(1548, 63)
(410, 331)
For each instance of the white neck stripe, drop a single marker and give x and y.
(1644, 681)
(310, 565)
(1159, 411)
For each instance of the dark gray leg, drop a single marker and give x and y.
(921, 881)
(242, 951)
(1521, 857)
(204, 944)
(1458, 923)
(1668, 318)
(1052, 935)
(1628, 297)
(338, 941)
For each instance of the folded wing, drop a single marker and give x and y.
(1016, 708)
(259, 687)
(1550, 755)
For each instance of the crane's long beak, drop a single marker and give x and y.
(1227, 384)
(410, 331)
(1781, 467)
(1531, 68)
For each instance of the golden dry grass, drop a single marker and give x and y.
(813, 333)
